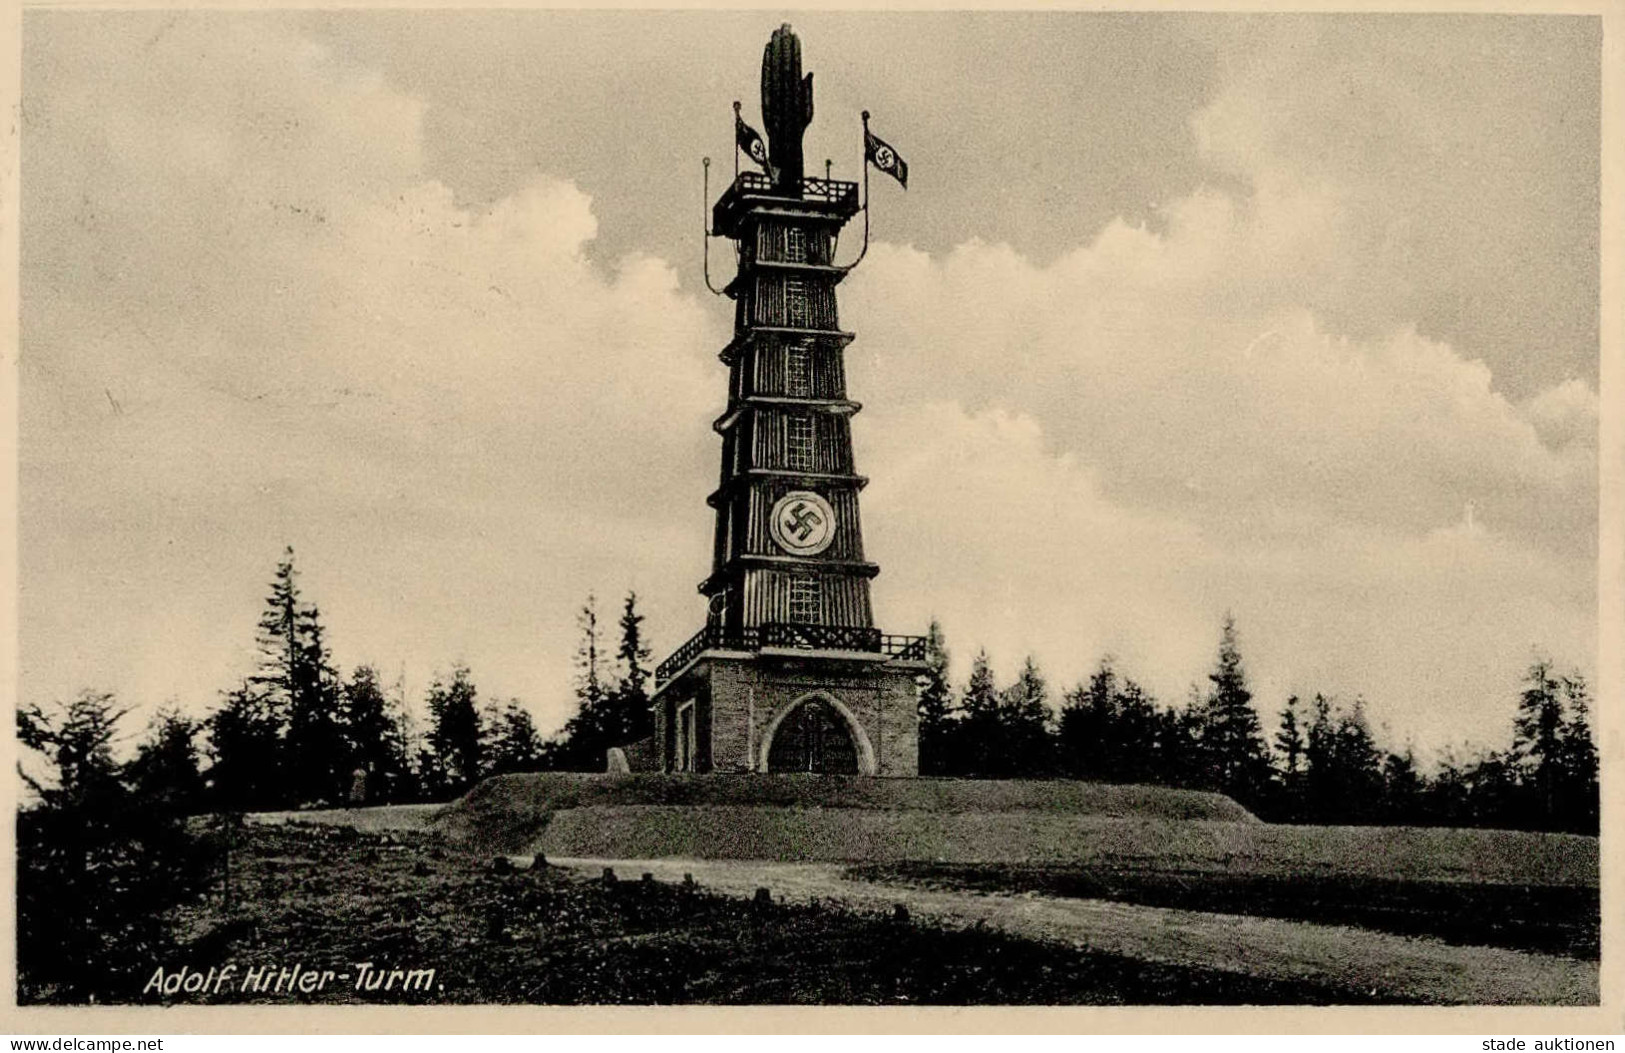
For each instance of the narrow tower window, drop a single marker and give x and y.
(798, 372)
(806, 602)
(799, 444)
(795, 245)
(795, 302)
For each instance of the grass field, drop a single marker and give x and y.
(328, 897)
(1551, 919)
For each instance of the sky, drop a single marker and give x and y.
(1294, 317)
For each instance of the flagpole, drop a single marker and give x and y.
(737, 119)
(705, 220)
(865, 250)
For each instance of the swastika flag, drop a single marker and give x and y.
(879, 153)
(749, 141)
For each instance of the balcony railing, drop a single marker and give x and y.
(903, 648)
(802, 637)
(829, 191)
(827, 195)
(821, 637)
(712, 637)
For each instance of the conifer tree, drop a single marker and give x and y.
(1290, 741)
(1235, 757)
(246, 751)
(455, 734)
(374, 728)
(1087, 725)
(1360, 766)
(979, 726)
(514, 744)
(1134, 735)
(318, 751)
(936, 706)
(1024, 719)
(630, 720)
(1578, 788)
(1403, 789)
(587, 736)
(98, 866)
(1537, 743)
(165, 768)
(282, 657)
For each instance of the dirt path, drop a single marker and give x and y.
(1425, 970)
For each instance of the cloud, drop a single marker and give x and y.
(250, 318)
(460, 422)
(1159, 426)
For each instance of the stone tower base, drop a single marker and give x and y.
(721, 713)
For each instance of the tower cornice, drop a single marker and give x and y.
(743, 337)
(834, 407)
(749, 475)
(857, 568)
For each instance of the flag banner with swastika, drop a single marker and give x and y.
(751, 142)
(879, 153)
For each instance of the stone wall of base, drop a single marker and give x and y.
(744, 699)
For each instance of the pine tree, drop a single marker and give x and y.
(376, 737)
(1291, 746)
(165, 768)
(246, 752)
(317, 746)
(279, 641)
(513, 743)
(630, 720)
(1289, 739)
(1024, 714)
(936, 706)
(1135, 734)
(1403, 789)
(1360, 766)
(585, 741)
(455, 733)
(1537, 743)
(98, 866)
(589, 657)
(1578, 802)
(1236, 760)
(980, 724)
(1087, 726)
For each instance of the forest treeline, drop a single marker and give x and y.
(106, 846)
(297, 732)
(1323, 764)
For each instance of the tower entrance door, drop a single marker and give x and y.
(813, 737)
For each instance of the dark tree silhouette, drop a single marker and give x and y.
(1235, 760)
(97, 863)
(245, 746)
(455, 734)
(375, 738)
(166, 765)
(936, 707)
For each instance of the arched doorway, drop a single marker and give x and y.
(813, 737)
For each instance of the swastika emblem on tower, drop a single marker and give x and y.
(803, 523)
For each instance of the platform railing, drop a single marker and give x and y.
(832, 191)
(792, 635)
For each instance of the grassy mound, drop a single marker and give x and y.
(510, 813)
(1193, 848)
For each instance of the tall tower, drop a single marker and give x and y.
(789, 672)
